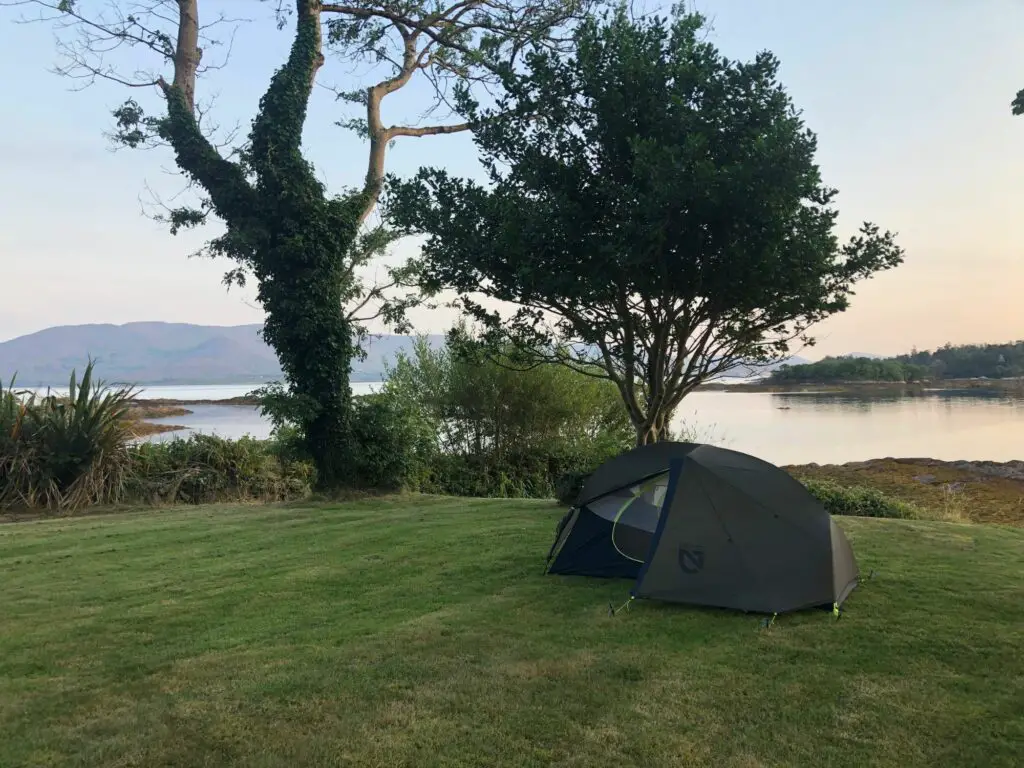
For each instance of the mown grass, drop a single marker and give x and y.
(421, 632)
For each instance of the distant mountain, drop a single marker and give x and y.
(868, 355)
(164, 353)
(153, 353)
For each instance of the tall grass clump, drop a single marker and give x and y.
(65, 452)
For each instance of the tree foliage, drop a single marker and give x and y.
(967, 361)
(499, 431)
(653, 212)
(302, 245)
(848, 369)
(452, 45)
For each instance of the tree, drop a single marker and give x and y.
(968, 361)
(482, 406)
(500, 431)
(301, 244)
(654, 215)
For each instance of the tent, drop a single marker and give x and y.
(707, 526)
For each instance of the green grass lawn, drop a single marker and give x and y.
(422, 632)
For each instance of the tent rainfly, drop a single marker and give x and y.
(706, 526)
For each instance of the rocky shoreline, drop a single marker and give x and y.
(166, 403)
(1009, 470)
(983, 491)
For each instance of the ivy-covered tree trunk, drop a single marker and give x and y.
(302, 261)
(293, 237)
(314, 343)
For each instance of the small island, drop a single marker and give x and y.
(972, 366)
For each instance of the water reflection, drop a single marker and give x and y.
(884, 400)
(835, 428)
(791, 428)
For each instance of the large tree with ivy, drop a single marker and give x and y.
(301, 244)
(654, 215)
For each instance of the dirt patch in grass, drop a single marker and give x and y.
(981, 492)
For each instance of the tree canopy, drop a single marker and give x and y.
(653, 214)
(850, 369)
(967, 361)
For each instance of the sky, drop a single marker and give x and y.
(910, 100)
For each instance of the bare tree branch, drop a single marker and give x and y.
(466, 41)
(430, 130)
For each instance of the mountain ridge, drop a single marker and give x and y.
(160, 353)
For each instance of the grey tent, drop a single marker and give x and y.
(708, 526)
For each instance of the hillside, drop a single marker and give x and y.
(306, 635)
(156, 353)
(967, 361)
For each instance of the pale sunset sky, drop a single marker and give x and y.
(910, 100)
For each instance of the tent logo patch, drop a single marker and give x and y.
(691, 558)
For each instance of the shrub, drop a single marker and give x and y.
(484, 429)
(511, 475)
(394, 445)
(859, 501)
(205, 468)
(65, 452)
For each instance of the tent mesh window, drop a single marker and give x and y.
(633, 512)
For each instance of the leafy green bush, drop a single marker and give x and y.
(205, 468)
(65, 452)
(859, 501)
(513, 475)
(394, 445)
(483, 428)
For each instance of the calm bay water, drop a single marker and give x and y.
(783, 428)
(230, 421)
(801, 428)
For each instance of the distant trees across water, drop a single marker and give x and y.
(993, 361)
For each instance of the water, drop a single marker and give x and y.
(792, 428)
(229, 421)
(801, 428)
(197, 391)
